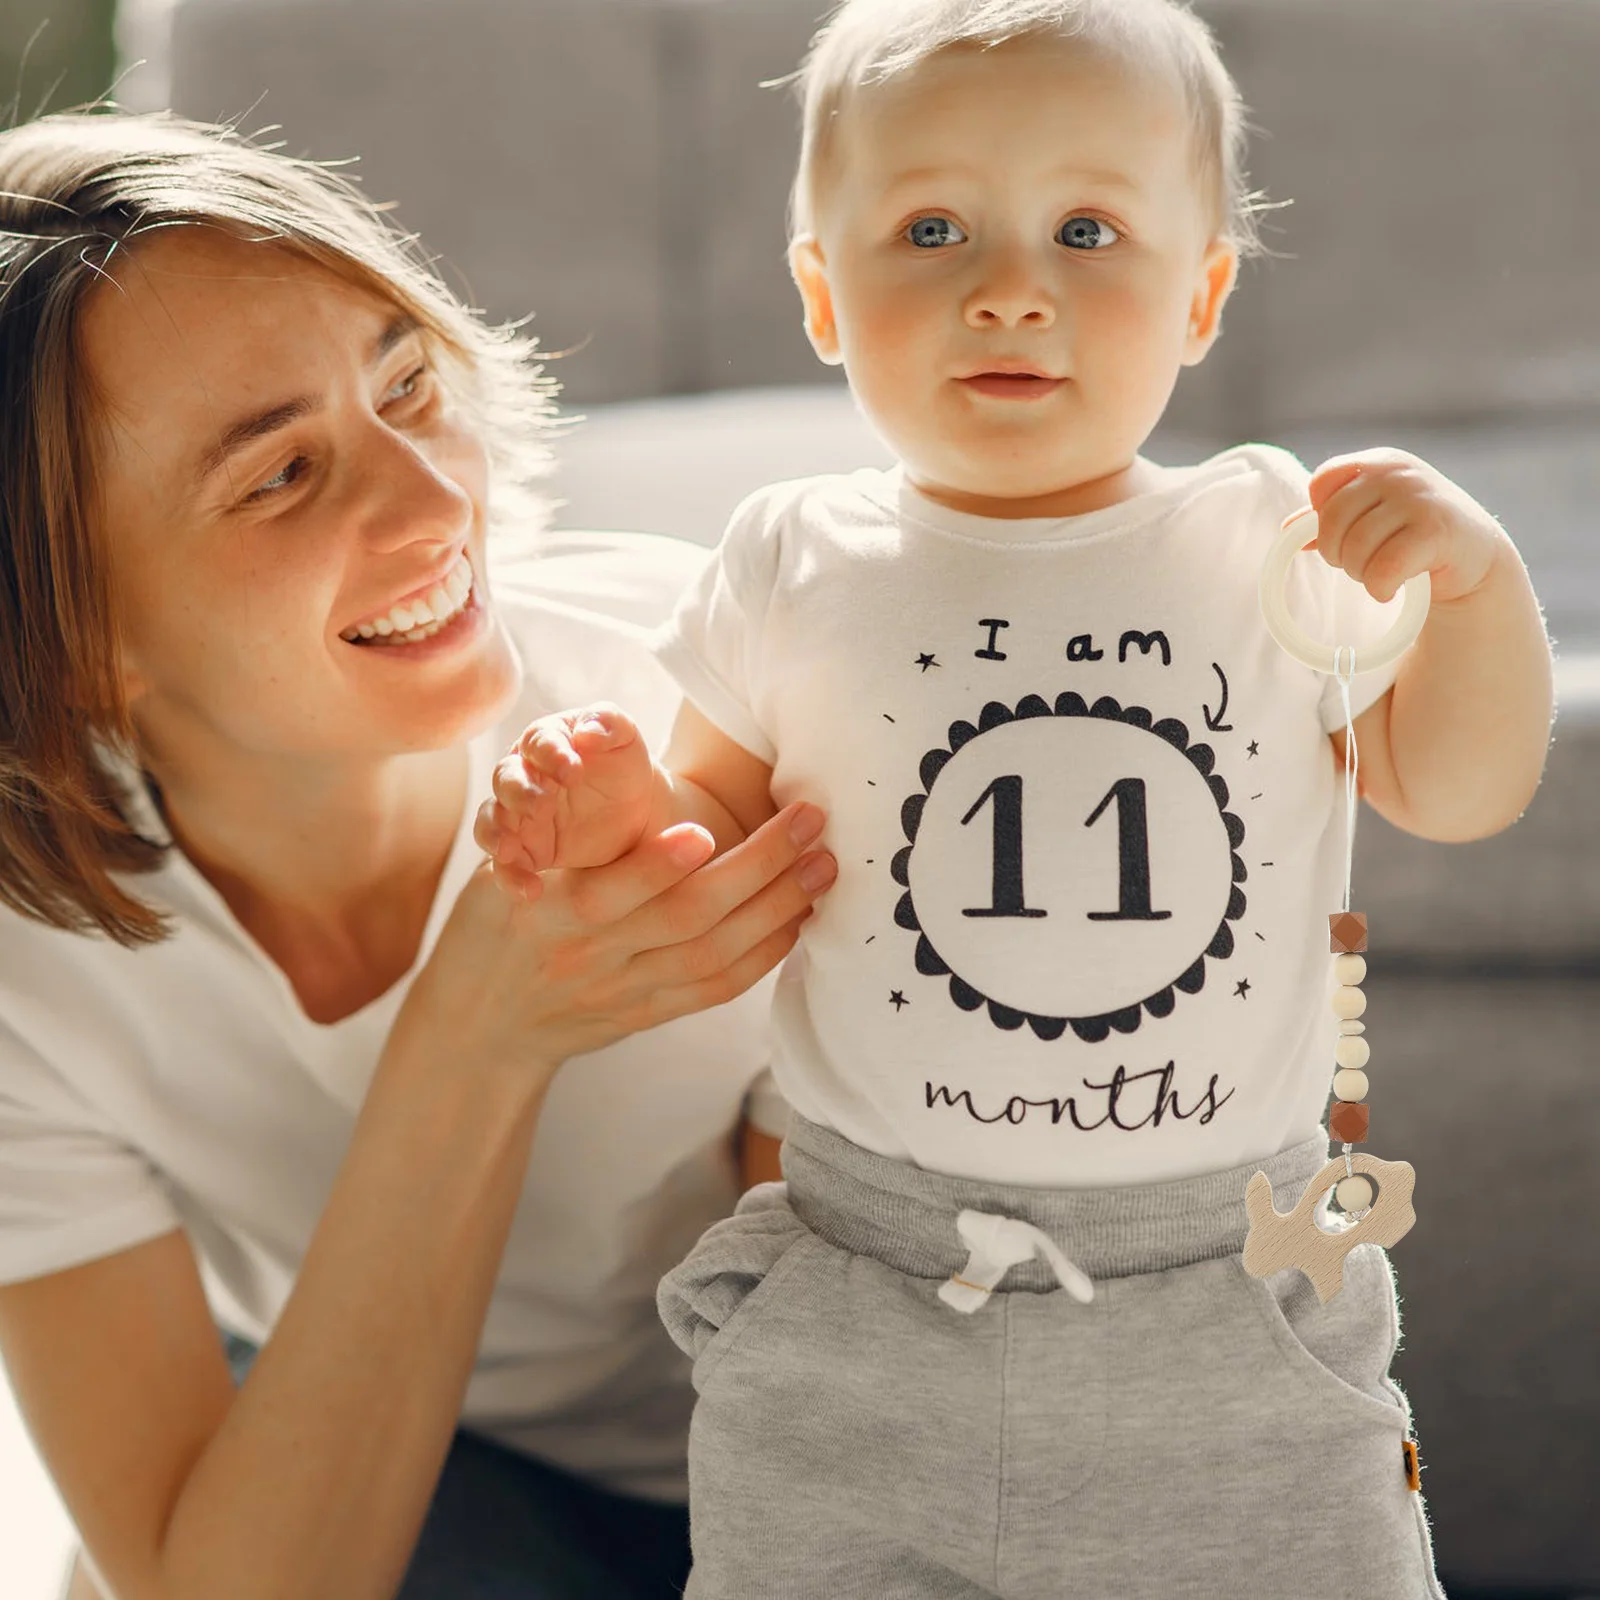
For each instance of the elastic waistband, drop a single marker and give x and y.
(899, 1214)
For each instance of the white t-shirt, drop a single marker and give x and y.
(1085, 808)
(183, 1084)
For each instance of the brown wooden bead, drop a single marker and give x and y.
(1347, 932)
(1413, 1466)
(1347, 1121)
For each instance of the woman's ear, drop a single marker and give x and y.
(809, 271)
(1218, 273)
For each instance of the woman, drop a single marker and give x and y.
(274, 1047)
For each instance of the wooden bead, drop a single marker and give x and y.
(1349, 969)
(1354, 1193)
(1352, 1052)
(1347, 1122)
(1348, 1001)
(1350, 1083)
(1347, 931)
(1349, 1025)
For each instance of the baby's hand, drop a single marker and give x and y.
(574, 791)
(1384, 516)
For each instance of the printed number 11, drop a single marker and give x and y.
(1133, 852)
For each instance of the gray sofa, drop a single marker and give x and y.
(614, 167)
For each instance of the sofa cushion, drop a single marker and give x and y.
(523, 141)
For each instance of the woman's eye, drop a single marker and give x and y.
(291, 474)
(928, 233)
(409, 386)
(1086, 233)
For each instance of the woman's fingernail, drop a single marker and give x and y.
(805, 824)
(817, 872)
(691, 847)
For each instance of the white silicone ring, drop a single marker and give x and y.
(1325, 657)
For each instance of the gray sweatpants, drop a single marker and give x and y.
(1192, 1431)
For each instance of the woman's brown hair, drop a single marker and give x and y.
(76, 190)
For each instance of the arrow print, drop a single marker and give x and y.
(1215, 723)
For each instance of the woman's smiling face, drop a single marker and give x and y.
(280, 476)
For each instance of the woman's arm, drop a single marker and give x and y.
(312, 1480)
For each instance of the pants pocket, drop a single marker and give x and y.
(712, 1297)
(1341, 1350)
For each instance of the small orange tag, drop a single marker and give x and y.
(1413, 1466)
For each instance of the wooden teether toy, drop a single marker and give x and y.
(1374, 1195)
(1280, 1239)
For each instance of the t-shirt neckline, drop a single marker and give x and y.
(190, 883)
(895, 492)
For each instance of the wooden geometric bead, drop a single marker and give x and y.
(1352, 1053)
(1347, 1122)
(1348, 1002)
(1347, 931)
(1354, 1193)
(1350, 1083)
(1349, 1025)
(1349, 969)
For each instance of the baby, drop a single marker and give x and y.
(993, 1336)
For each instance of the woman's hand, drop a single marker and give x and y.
(608, 951)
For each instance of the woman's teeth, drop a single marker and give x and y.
(419, 619)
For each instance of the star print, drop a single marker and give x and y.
(1253, 748)
(1242, 988)
(925, 661)
(896, 999)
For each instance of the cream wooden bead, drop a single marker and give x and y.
(1350, 1025)
(1354, 1193)
(1349, 969)
(1352, 1052)
(1348, 1002)
(1350, 1083)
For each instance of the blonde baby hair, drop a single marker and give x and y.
(864, 42)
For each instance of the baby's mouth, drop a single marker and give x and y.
(1012, 385)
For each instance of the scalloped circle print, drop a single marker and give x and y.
(1070, 866)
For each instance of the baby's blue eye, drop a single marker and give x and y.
(1085, 233)
(928, 233)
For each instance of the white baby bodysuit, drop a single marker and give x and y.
(1087, 815)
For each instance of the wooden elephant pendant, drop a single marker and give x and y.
(1279, 1239)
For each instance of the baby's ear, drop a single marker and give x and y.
(1218, 273)
(811, 279)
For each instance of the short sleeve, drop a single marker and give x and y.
(765, 1109)
(711, 645)
(69, 1192)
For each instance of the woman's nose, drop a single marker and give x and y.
(411, 498)
(1011, 292)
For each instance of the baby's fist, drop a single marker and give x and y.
(1384, 516)
(574, 791)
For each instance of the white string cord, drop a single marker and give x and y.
(1352, 767)
(1352, 761)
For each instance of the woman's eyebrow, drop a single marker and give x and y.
(260, 423)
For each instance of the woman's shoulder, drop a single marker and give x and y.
(580, 609)
(612, 578)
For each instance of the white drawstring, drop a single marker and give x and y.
(998, 1244)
